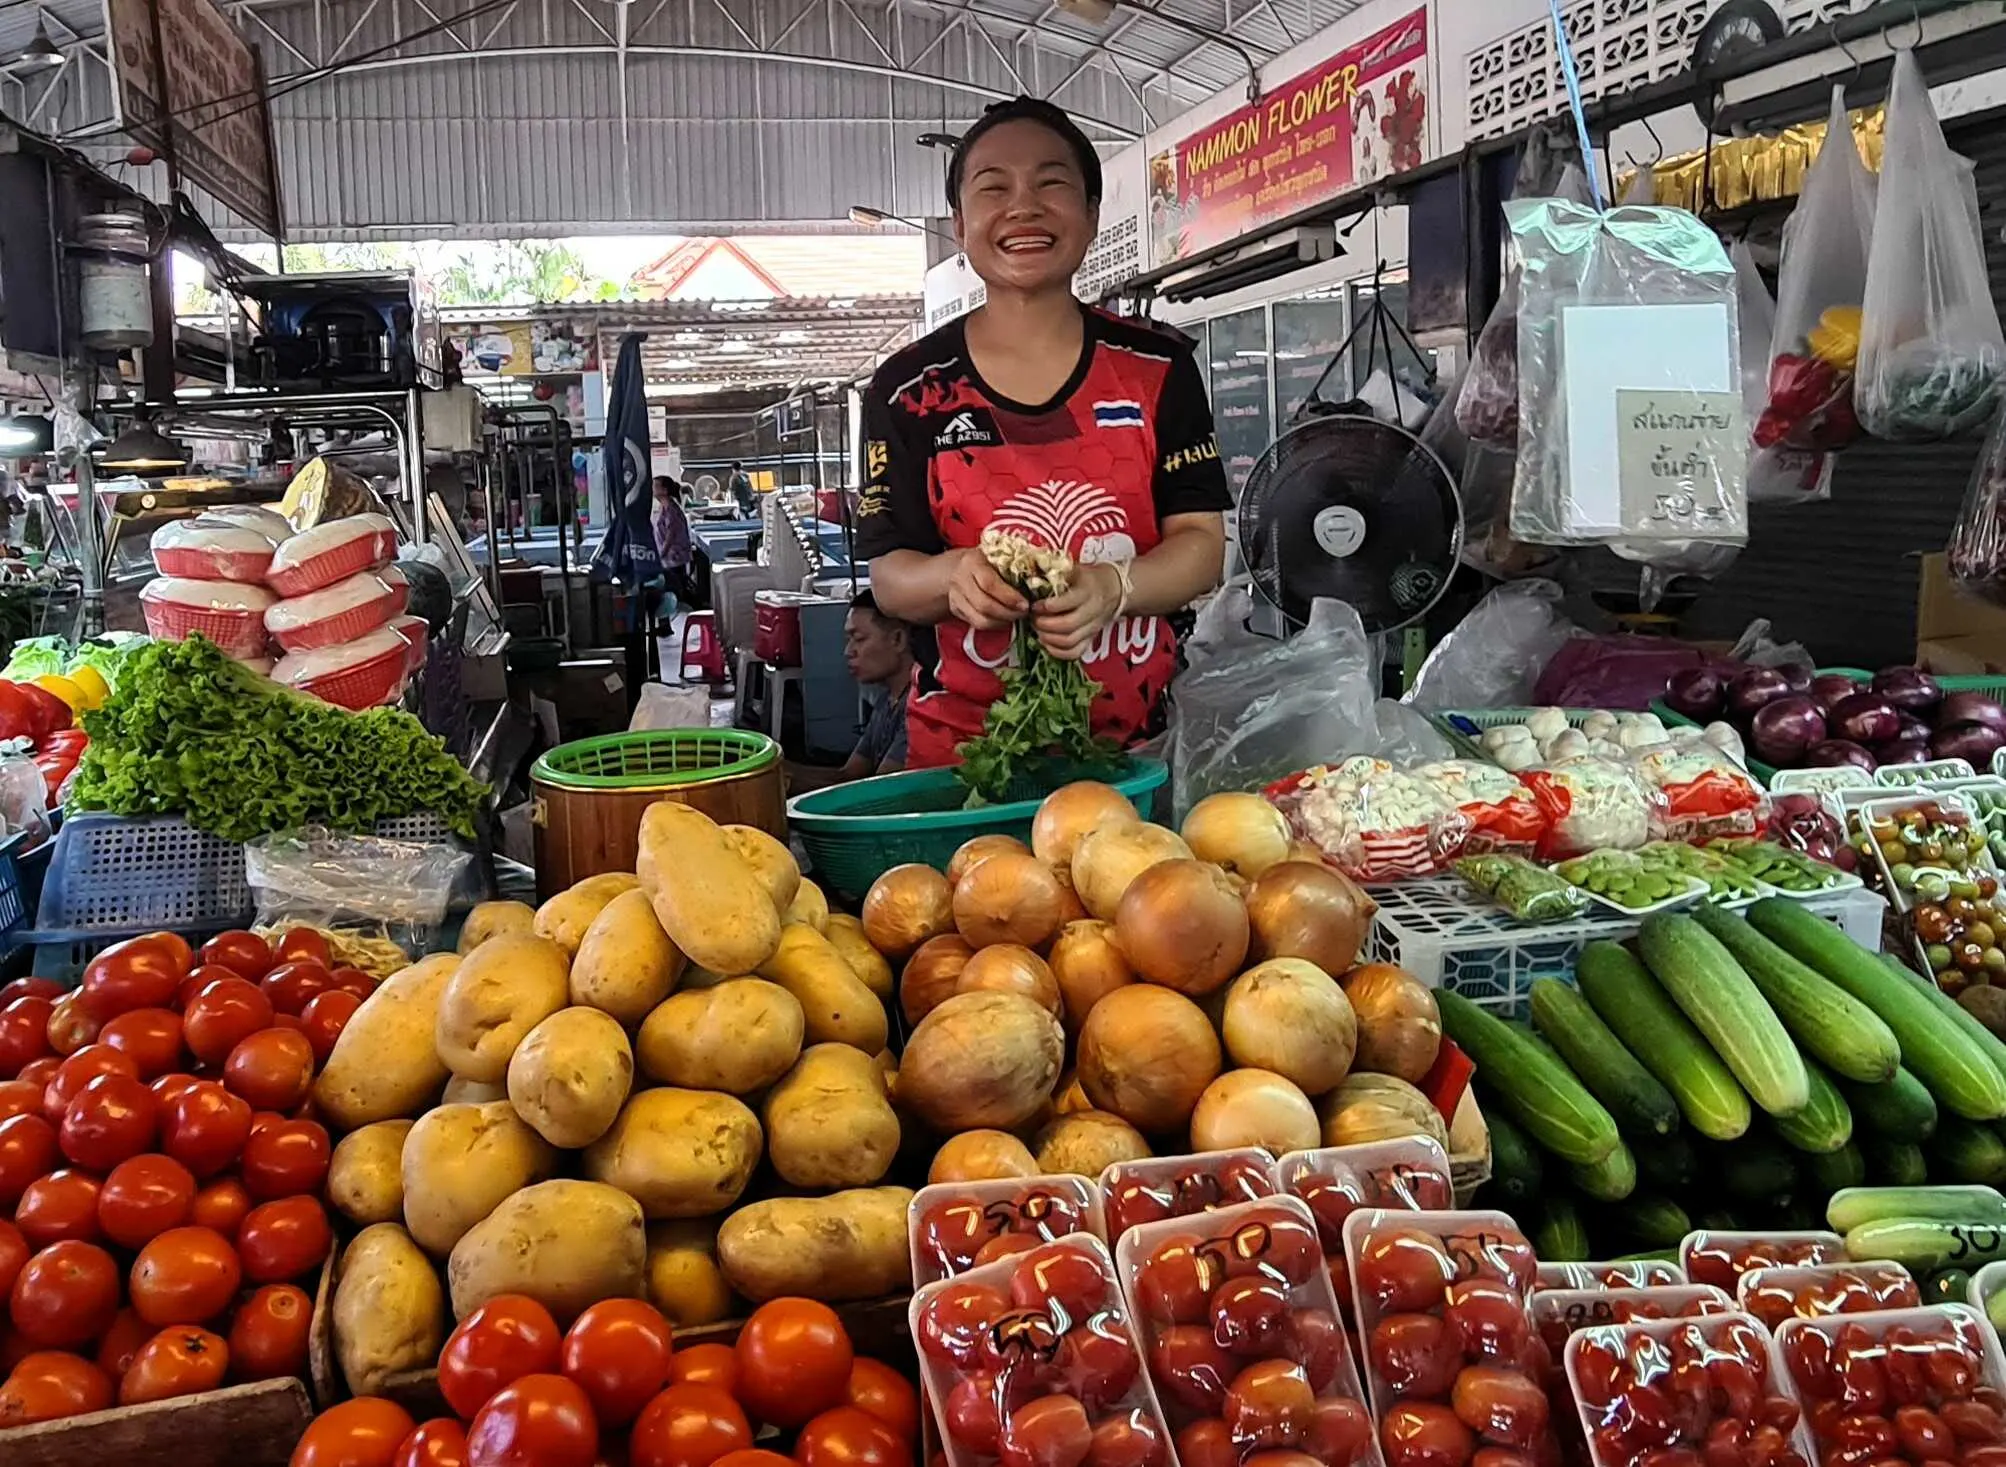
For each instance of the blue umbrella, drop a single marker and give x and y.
(628, 551)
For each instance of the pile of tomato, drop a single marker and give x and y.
(162, 1170)
(1721, 1259)
(1457, 1372)
(1154, 1189)
(964, 1225)
(1684, 1393)
(1812, 1291)
(525, 1393)
(1409, 1174)
(1033, 1363)
(1900, 1388)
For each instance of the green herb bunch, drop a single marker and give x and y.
(190, 732)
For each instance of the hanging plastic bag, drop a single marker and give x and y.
(1808, 396)
(1977, 551)
(1494, 656)
(1931, 351)
(1621, 446)
(1777, 473)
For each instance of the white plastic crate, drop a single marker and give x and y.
(1443, 934)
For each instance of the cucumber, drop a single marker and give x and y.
(1630, 1093)
(1846, 1167)
(1964, 1151)
(1960, 1017)
(1538, 1091)
(1829, 1024)
(1901, 1109)
(1704, 980)
(1921, 1245)
(1516, 1172)
(1857, 1205)
(1668, 1164)
(1754, 1170)
(1722, 1220)
(1561, 1236)
(1823, 1125)
(1611, 1179)
(1958, 1071)
(1947, 1286)
(1895, 1163)
(1628, 999)
(1651, 1222)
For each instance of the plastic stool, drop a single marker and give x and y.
(708, 654)
(778, 681)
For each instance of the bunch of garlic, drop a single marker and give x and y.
(1030, 567)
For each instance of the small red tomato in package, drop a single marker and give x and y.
(1721, 1258)
(957, 1226)
(1811, 1291)
(1158, 1187)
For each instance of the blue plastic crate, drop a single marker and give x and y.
(113, 875)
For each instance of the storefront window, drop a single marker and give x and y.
(1367, 352)
(1240, 362)
(1307, 334)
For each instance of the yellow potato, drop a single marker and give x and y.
(626, 963)
(770, 860)
(679, 1153)
(828, 1123)
(389, 1310)
(386, 1063)
(570, 1076)
(846, 936)
(809, 907)
(851, 1245)
(738, 1037)
(503, 989)
(684, 1281)
(565, 1244)
(365, 1176)
(460, 1161)
(566, 917)
(471, 1092)
(835, 1005)
(708, 898)
(495, 919)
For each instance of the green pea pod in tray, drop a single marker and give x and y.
(1527, 891)
(1622, 881)
(1783, 871)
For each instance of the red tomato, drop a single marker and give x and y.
(244, 953)
(184, 1276)
(302, 945)
(224, 1013)
(151, 1036)
(143, 1197)
(1415, 1354)
(325, 1016)
(755, 1457)
(712, 1365)
(284, 1239)
(505, 1339)
(688, 1426)
(70, 1027)
(221, 1206)
(24, 1032)
(285, 1159)
(175, 1362)
(848, 1437)
(355, 981)
(141, 973)
(794, 1361)
(269, 1333)
(40, 1072)
(175, 943)
(205, 1128)
(290, 985)
(440, 1442)
(1269, 1405)
(1133, 1440)
(122, 1341)
(51, 1384)
(78, 1071)
(1424, 1434)
(1052, 1431)
(537, 1421)
(167, 1087)
(111, 1118)
(62, 1205)
(65, 1296)
(1501, 1405)
(14, 1251)
(273, 1069)
(15, 988)
(27, 1151)
(618, 1350)
(364, 1432)
(1488, 1319)
(1403, 1270)
(880, 1390)
(1055, 1274)
(1187, 1365)
(19, 1098)
(955, 1321)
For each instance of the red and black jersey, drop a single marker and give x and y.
(1126, 441)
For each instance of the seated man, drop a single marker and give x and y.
(878, 649)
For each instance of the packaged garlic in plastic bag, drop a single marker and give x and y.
(1374, 822)
(1593, 803)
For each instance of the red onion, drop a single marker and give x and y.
(1829, 687)
(1970, 708)
(1782, 730)
(1865, 719)
(1797, 675)
(1971, 741)
(1902, 751)
(1753, 688)
(1908, 688)
(1697, 692)
(1830, 752)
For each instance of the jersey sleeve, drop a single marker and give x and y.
(892, 512)
(1189, 477)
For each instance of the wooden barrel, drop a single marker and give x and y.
(589, 796)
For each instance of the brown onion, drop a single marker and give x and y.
(906, 906)
(1007, 967)
(1299, 909)
(1183, 924)
(1109, 858)
(1147, 1054)
(1399, 1025)
(981, 1061)
(1088, 964)
(1088, 1142)
(1289, 1016)
(1241, 832)
(1254, 1108)
(1067, 814)
(1009, 897)
(981, 1156)
(932, 974)
(981, 848)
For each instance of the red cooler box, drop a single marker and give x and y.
(776, 627)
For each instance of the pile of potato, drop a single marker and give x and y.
(575, 1104)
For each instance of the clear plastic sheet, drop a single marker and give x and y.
(1778, 473)
(24, 798)
(1931, 351)
(392, 889)
(1494, 656)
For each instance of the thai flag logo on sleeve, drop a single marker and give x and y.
(1121, 414)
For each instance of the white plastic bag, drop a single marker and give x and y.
(1777, 474)
(1977, 551)
(396, 890)
(1808, 386)
(1494, 656)
(1931, 351)
(661, 706)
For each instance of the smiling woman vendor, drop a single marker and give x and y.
(1036, 415)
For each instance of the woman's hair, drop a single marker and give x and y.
(1026, 109)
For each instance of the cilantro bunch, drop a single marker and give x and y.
(190, 732)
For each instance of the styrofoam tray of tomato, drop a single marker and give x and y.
(1901, 1385)
(163, 1223)
(1721, 1258)
(1809, 1291)
(1034, 1359)
(1658, 1393)
(956, 1226)
(1242, 1336)
(1623, 1273)
(1156, 1188)
(1450, 1355)
(1410, 1173)
(1558, 1313)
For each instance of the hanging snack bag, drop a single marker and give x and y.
(1931, 351)
(1777, 473)
(1157, 1187)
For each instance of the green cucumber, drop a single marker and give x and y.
(1628, 999)
(1921, 1245)
(1947, 1286)
(1538, 1092)
(1516, 1173)
(1846, 1167)
(1829, 1024)
(1995, 1309)
(1704, 980)
(1722, 1220)
(1965, 1151)
(1857, 1205)
(1901, 1109)
(1823, 1125)
(1611, 1179)
(1668, 1163)
(1754, 1170)
(1960, 1017)
(1560, 1237)
(1895, 1163)
(1958, 1071)
(1630, 1093)
(1651, 1222)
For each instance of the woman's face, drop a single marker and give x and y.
(1024, 221)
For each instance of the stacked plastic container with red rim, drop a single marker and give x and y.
(211, 578)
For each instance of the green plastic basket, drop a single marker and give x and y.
(655, 757)
(856, 832)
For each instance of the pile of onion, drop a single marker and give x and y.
(1303, 909)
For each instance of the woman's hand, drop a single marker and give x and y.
(1068, 623)
(979, 596)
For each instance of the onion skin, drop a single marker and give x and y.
(1068, 814)
(981, 1156)
(979, 849)
(1751, 689)
(1304, 909)
(1909, 688)
(1829, 687)
(1904, 750)
(1399, 1026)
(1970, 708)
(1697, 692)
(1008, 897)
(1146, 1054)
(1254, 1108)
(906, 906)
(1829, 753)
(932, 974)
(1241, 832)
(1865, 718)
(1088, 963)
(1290, 1017)
(1783, 729)
(1007, 967)
(1086, 1143)
(981, 1061)
(1182, 924)
(1972, 742)
(1110, 856)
